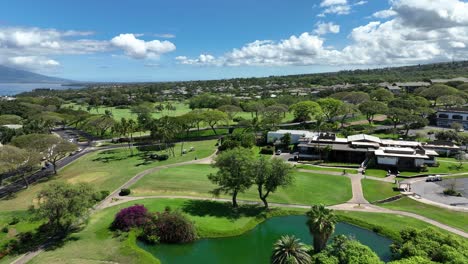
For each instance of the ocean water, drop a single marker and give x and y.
(16, 88)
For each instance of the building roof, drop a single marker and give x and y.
(458, 79)
(413, 84)
(381, 152)
(13, 126)
(362, 137)
(403, 143)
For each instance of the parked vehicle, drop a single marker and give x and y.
(433, 178)
(278, 152)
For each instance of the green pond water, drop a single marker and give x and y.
(256, 245)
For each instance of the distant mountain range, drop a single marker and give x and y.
(11, 75)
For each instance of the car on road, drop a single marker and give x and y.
(433, 178)
(278, 152)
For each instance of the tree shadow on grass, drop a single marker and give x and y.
(109, 156)
(222, 209)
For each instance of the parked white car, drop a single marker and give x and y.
(433, 178)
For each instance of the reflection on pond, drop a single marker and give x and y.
(256, 245)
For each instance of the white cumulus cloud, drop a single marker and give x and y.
(417, 31)
(384, 13)
(140, 49)
(333, 2)
(323, 28)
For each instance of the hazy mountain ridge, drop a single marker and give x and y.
(11, 75)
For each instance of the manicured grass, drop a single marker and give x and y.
(319, 168)
(340, 164)
(118, 113)
(26, 223)
(452, 218)
(376, 173)
(377, 190)
(96, 244)
(443, 168)
(192, 180)
(385, 224)
(107, 170)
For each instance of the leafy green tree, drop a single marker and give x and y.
(233, 176)
(63, 204)
(437, 90)
(347, 110)
(321, 223)
(356, 98)
(254, 107)
(330, 107)
(269, 174)
(395, 115)
(289, 250)
(213, 117)
(451, 100)
(344, 250)
(371, 108)
(17, 161)
(10, 119)
(305, 110)
(430, 245)
(51, 147)
(230, 110)
(381, 95)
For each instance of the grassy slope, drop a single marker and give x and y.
(192, 180)
(377, 190)
(95, 243)
(451, 218)
(106, 170)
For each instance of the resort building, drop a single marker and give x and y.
(274, 136)
(445, 117)
(364, 149)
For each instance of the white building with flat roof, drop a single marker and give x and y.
(274, 136)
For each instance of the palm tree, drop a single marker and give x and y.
(289, 250)
(321, 225)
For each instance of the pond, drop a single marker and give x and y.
(256, 245)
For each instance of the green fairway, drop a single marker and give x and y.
(377, 190)
(108, 170)
(23, 223)
(376, 173)
(386, 224)
(319, 168)
(118, 113)
(192, 180)
(445, 216)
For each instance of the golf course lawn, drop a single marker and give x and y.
(97, 244)
(320, 168)
(192, 180)
(107, 170)
(119, 113)
(377, 190)
(452, 218)
(24, 224)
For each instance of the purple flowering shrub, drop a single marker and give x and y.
(133, 216)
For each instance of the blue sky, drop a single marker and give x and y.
(152, 40)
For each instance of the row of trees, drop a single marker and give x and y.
(26, 153)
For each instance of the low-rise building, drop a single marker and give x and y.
(398, 154)
(296, 135)
(446, 117)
